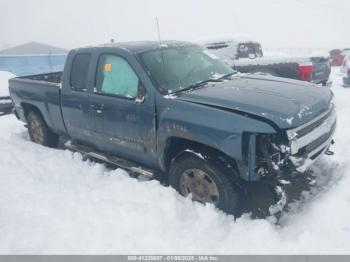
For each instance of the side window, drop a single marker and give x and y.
(79, 72)
(116, 77)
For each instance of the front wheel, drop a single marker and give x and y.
(205, 182)
(39, 132)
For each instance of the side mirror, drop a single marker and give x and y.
(141, 93)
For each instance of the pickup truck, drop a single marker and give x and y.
(345, 70)
(172, 110)
(246, 56)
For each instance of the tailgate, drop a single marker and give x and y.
(321, 69)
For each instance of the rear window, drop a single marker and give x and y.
(79, 73)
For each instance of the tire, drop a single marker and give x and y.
(228, 194)
(39, 132)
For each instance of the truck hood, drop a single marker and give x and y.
(287, 103)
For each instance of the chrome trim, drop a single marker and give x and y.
(323, 128)
(138, 170)
(303, 163)
(114, 161)
(291, 132)
(318, 149)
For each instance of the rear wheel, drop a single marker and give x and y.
(39, 132)
(205, 182)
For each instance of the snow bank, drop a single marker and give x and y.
(268, 60)
(323, 54)
(4, 78)
(52, 202)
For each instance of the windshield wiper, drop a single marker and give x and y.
(227, 75)
(196, 85)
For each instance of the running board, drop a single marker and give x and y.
(122, 163)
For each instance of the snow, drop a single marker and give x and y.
(4, 78)
(170, 96)
(53, 202)
(289, 120)
(322, 54)
(196, 153)
(226, 54)
(210, 54)
(265, 60)
(345, 66)
(5, 101)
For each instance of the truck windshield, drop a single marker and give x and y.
(249, 50)
(178, 68)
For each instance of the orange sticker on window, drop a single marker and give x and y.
(108, 67)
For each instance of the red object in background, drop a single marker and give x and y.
(337, 57)
(305, 71)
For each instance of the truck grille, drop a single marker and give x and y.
(319, 141)
(309, 141)
(312, 126)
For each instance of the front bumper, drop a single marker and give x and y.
(308, 142)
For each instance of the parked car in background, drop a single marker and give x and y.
(321, 68)
(171, 109)
(5, 100)
(336, 57)
(345, 70)
(247, 56)
(346, 51)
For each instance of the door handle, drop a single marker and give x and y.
(98, 107)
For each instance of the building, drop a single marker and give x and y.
(32, 58)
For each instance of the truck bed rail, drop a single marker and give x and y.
(55, 77)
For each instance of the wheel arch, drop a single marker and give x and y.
(27, 107)
(50, 138)
(30, 107)
(176, 147)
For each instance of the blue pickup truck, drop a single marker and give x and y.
(174, 110)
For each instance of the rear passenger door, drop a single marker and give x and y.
(76, 97)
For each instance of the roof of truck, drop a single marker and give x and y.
(143, 46)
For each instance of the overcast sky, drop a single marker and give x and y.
(275, 23)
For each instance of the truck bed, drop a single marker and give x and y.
(276, 66)
(283, 66)
(286, 66)
(42, 92)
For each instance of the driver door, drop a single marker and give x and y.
(119, 112)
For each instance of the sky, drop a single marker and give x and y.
(274, 23)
